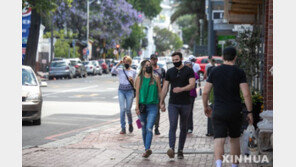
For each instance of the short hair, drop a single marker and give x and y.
(229, 53)
(127, 58)
(178, 54)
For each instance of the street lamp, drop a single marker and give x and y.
(87, 24)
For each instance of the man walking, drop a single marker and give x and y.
(182, 80)
(227, 81)
(161, 73)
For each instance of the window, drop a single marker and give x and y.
(28, 78)
(204, 61)
(58, 64)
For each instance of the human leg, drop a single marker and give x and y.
(156, 130)
(129, 101)
(219, 150)
(152, 110)
(173, 120)
(190, 118)
(235, 148)
(184, 114)
(121, 99)
(143, 119)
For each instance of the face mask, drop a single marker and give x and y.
(126, 66)
(177, 64)
(149, 69)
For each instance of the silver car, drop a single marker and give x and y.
(31, 96)
(61, 68)
(97, 67)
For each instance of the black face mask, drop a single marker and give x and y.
(126, 66)
(149, 69)
(177, 64)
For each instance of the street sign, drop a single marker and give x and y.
(26, 22)
(87, 52)
(84, 51)
(115, 52)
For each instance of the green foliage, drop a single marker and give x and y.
(134, 39)
(248, 57)
(151, 8)
(165, 38)
(43, 7)
(62, 45)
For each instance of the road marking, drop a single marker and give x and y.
(59, 123)
(115, 97)
(53, 137)
(94, 94)
(70, 90)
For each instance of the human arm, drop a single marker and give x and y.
(248, 100)
(115, 68)
(164, 92)
(188, 87)
(158, 87)
(137, 83)
(205, 98)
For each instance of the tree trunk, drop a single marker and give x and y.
(32, 44)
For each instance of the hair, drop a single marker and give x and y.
(229, 53)
(141, 73)
(128, 59)
(178, 54)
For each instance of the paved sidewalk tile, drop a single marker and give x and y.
(106, 147)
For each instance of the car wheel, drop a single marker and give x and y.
(70, 76)
(37, 122)
(85, 74)
(94, 73)
(50, 78)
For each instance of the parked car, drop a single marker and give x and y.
(91, 67)
(104, 66)
(31, 96)
(203, 61)
(110, 63)
(97, 67)
(80, 69)
(61, 68)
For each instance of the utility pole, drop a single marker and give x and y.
(210, 31)
(201, 29)
(51, 37)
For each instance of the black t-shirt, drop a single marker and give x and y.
(179, 78)
(226, 80)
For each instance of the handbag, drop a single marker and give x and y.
(143, 107)
(130, 83)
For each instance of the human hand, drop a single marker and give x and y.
(162, 107)
(137, 111)
(131, 79)
(250, 118)
(208, 111)
(177, 90)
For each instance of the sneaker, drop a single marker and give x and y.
(180, 154)
(156, 131)
(171, 153)
(122, 131)
(189, 131)
(147, 153)
(131, 128)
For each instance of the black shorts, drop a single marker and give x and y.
(227, 123)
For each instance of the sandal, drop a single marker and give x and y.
(147, 153)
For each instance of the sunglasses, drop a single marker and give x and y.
(178, 74)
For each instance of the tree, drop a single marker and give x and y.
(39, 8)
(62, 45)
(151, 8)
(165, 38)
(133, 41)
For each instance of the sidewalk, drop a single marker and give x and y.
(106, 147)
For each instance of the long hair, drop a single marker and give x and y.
(141, 73)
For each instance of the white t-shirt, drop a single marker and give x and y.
(196, 67)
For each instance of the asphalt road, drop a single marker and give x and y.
(71, 106)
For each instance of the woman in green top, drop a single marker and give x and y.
(148, 91)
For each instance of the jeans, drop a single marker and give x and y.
(125, 98)
(190, 119)
(157, 119)
(147, 121)
(174, 112)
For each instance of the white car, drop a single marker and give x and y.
(31, 96)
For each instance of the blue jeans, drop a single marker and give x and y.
(174, 111)
(125, 98)
(147, 121)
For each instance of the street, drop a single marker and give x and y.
(71, 106)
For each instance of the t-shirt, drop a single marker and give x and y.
(179, 78)
(196, 67)
(226, 80)
(161, 73)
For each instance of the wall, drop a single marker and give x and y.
(268, 56)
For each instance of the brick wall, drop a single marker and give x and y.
(268, 56)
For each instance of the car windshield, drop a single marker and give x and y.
(85, 63)
(73, 63)
(28, 78)
(101, 61)
(219, 61)
(58, 64)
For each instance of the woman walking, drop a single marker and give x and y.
(148, 89)
(126, 77)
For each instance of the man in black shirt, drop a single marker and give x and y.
(182, 80)
(227, 80)
(161, 73)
